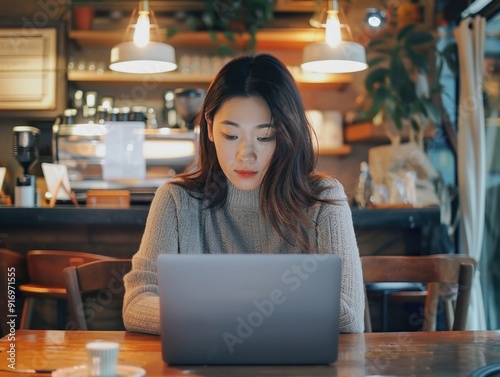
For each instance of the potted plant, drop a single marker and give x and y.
(234, 17)
(398, 89)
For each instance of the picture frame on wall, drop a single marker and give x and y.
(32, 70)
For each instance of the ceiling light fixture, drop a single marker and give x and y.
(141, 55)
(375, 18)
(334, 55)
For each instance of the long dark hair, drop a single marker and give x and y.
(290, 187)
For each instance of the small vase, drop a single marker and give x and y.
(83, 17)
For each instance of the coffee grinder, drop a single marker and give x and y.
(188, 103)
(26, 141)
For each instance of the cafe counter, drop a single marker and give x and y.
(118, 232)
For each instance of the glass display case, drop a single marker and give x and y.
(82, 148)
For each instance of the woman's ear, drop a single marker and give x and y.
(210, 128)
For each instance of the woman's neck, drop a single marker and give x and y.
(242, 199)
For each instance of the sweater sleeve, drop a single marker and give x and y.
(335, 232)
(141, 304)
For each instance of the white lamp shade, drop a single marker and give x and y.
(155, 57)
(345, 58)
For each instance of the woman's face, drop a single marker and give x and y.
(244, 140)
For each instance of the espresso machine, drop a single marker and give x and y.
(26, 141)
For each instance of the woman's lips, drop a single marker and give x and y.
(246, 173)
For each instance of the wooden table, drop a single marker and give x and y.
(381, 354)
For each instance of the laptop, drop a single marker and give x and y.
(249, 309)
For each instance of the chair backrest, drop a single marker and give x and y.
(12, 272)
(453, 270)
(95, 294)
(45, 267)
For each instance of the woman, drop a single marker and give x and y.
(254, 191)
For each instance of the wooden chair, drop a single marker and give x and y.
(436, 271)
(95, 294)
(12, 272)
(46, 279)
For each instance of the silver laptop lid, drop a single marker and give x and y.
(249, 308)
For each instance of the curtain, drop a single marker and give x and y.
(471, 154)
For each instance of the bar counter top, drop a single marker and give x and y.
(402, 218)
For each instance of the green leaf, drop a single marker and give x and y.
(417, 59)
(416, 107)
(407, 91)
(405, 31)
(390, 103)
(397, 74)
(377, 42)
(378, 99)
(192, 22)
(377, 60)
(432, 111)
(384, 50)
(208, 19)
(397, 117)
(213, 35)
(229, 36)
(420, 38)
(171, 31)
(378, 75)
(225, 50)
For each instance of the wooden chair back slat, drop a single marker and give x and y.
(434, 270)
(95, 294)
(45, 267)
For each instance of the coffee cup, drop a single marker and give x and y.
(102, 358)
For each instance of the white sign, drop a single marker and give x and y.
(54, 174)
(2, 176)
(124, 157)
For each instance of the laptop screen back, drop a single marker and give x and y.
(249, 308)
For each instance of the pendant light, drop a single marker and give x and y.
(334, 55)
(141, 55)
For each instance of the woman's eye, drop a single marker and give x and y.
(265, 139)
(229, 137)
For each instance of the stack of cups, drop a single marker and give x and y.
(102, 358)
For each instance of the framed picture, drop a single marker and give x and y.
(32, 71)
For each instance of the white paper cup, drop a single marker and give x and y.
(102, 358)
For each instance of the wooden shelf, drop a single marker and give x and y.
(344, 150)
(368, 131)
(110, 77)
(280, 39)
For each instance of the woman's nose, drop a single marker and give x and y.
(246, 152)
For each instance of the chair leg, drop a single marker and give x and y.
(27, 313)
(384, 310)
(61, 314)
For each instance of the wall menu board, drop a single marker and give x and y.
(28, 71)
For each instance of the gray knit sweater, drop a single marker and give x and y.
(178, 224)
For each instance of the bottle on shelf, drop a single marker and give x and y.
(169, 112)
(363, 192)
(102, 114)
(151, 121)
(139, 113)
